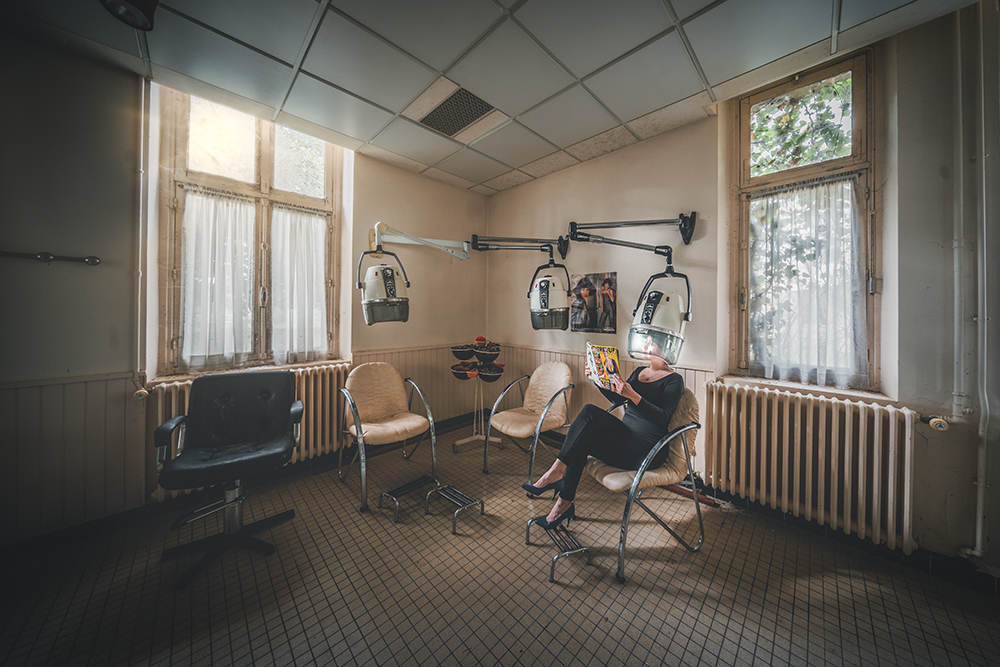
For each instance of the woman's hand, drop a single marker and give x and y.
(625, 389)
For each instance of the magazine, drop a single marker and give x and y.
(602, 364)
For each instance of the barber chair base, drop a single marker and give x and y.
(215, 545)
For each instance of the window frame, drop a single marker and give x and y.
(744, 186)
(174, 183)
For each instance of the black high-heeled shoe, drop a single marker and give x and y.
(556, 486)
(566, 516)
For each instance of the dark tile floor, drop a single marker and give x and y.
(350, 588)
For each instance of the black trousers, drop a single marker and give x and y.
(600, 434)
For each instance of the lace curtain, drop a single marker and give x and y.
(298, 285)
(807, 308)
(217, 279)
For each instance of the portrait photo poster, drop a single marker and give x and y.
(594, 306)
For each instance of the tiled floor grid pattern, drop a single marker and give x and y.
(350, 588)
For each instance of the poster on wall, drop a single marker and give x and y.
(595, 302)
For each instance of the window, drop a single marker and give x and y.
(248, 215)
(804, 284)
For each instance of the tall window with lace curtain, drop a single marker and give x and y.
(247, 243)
(805, 257)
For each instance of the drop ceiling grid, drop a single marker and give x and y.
(587, 34)
(352, 58)
(200, 53)
(514, 144)
(283, 39)
(346, 68)
(436, 32)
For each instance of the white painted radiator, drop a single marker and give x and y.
(845, 464)
(315, 385)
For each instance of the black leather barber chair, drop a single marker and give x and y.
(239, 426)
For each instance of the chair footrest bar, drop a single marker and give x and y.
(399, 491)
(564, 541)
(455, 497)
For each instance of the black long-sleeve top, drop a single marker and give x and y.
(650, 418)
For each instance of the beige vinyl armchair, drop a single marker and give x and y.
(379, 410)
(545, 407)
(679, 465)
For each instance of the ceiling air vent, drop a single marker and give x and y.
(456, 113)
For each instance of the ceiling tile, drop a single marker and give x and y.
(483, 190)
(188, 48)
(492, 120)
(433, 95)
(509, 180)
(393, 159)
(323, 104)
(318, 131)
(686, 8)
(515, 145)
(406, 138)
(87, 19)
(283, 39)
(606, 142)
(740, 35)
(855, 12)
(495, 71)
(450, 179)
(354, 59)
(550, 164)
(654, 77)
(435, 31)
(472, 165)
(587, 34)
(571, 116)
(669, 118)
(171, 79)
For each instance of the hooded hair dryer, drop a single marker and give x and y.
(548, 294)
(658, 321)
(659, 316)
(383, 295)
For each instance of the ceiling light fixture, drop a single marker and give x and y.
(136, 13)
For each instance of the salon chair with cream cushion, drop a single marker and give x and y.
(678, 467)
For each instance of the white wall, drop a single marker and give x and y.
(659, 179)
(446, 294)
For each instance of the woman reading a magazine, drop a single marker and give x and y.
(650, 397)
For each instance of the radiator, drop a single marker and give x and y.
(316, 386)
(841, 463)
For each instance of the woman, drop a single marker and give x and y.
(650, 395)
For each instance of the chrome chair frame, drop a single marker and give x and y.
(360, 440)
(538, 427)
(635, 493)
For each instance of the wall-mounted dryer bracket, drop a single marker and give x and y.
(484, 243)
(383, 233)
(685, 224)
